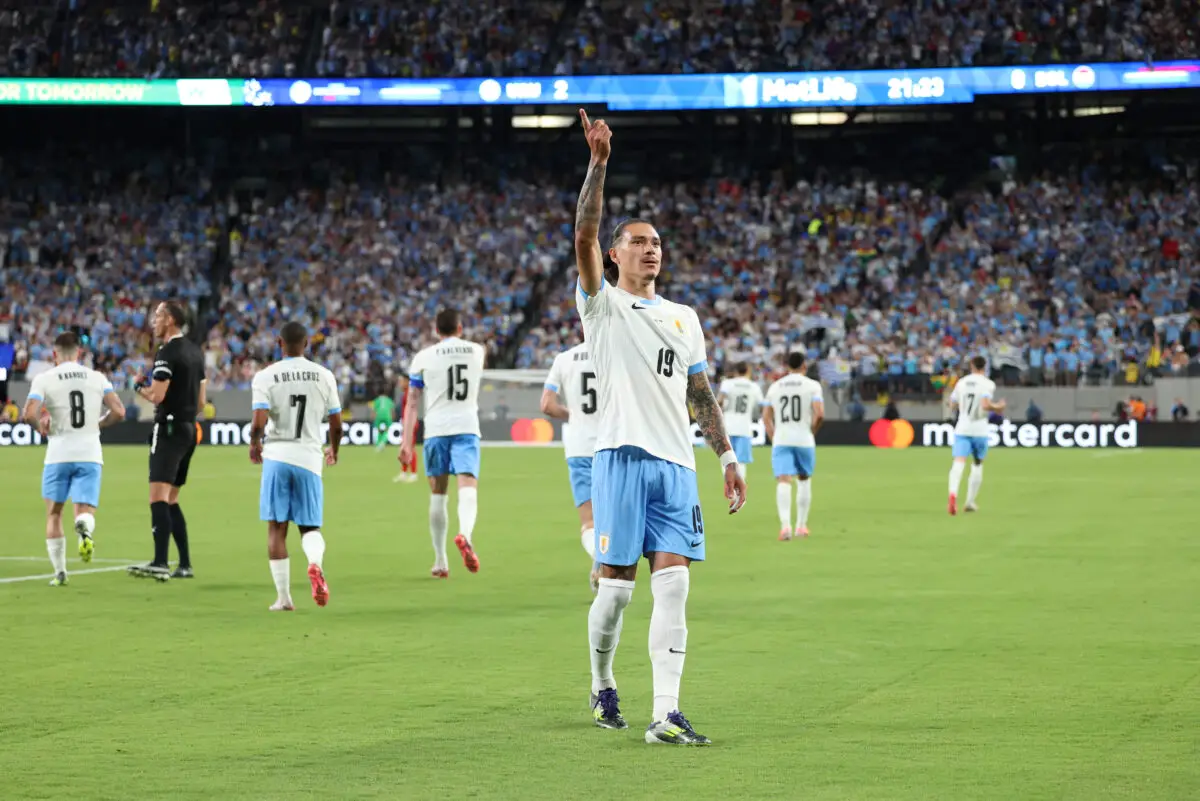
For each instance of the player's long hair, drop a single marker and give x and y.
(611, 271)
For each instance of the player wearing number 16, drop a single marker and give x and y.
(290, 400)
(80, 402)
(446, 378)
(650, 361)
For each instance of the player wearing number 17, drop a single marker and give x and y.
(74, 397)
(650, 360)
(972, 398)
(290, 399)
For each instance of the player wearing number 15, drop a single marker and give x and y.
(80, 402)
(446, 376)
(972, 398)
(290, 400)
(650, 359)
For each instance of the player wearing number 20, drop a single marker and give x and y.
(793, 413)
(650, 359)
(75, 397)
(972, 397)
(290, 400)
(446, 377)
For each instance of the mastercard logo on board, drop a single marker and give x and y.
(532, 430)
(891, 434)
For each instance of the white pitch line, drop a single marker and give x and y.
(45, 576)
(42, 558)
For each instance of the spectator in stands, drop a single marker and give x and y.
(855, 410)
(1033, 412)
(1180, 411)
(891, 411)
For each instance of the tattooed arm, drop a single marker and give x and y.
(707, 412)
(590, 209)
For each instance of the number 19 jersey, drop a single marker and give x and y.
(969, 394)
(792, 398)
(573, 376)
(297, 395)
(74, 396)
(644, 351)
(449, 373)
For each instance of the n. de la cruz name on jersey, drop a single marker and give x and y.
(296, 375)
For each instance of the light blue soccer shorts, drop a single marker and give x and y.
(970, 447)
(579, 468)
(793, 460)
(291, 494)
(78, 481)
(743, 449)
(643, 504)
(457, 455)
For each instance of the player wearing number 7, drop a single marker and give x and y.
(290, 399)
(80, 402)
(972, 398)
(651, 362)
(446, 377)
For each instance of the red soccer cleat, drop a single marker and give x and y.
(319, 587)
(785, 534)
(468, 553)
(440, 572)
(952, 507)
(801, 532)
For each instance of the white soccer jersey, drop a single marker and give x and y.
(643, 351)
(74, 395)
(969, 393)
(792, 398)
(573, 376)
(449, 373)
(298, 395)
(742, 396)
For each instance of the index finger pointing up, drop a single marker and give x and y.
(583, 118)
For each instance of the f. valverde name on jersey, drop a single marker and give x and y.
(449, 373)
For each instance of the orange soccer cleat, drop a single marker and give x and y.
(468, 553)
(785, 534)
(952, 507)
(319, 587)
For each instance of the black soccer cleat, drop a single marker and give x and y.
(183, 573)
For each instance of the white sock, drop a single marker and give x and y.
(783, 503)
(956, 471)
(668, 636)
(803, 502)
(741, 471)
(57, 548)
(438, 524)
(604, 629)
(314, 547)
(281, 572)
(588, 537)
(974, 482)
(87, 521)
(468, 510)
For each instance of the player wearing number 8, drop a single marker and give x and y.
(446, 378)
(80, 402)
(972, 398)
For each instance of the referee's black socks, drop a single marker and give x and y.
(160, 522)
(179, 532)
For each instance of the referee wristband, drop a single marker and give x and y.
(728, 458)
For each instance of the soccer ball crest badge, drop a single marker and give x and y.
(603, 543)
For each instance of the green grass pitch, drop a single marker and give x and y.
(1046, 648)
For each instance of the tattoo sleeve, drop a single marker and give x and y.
(590, 208)
(708, 413)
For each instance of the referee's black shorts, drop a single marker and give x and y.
(171, 447)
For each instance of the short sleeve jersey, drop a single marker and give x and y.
(298, 395)
(74, 396)
(791, 398)
(741, 397)
(573, 376)
(449, 374)
(969, 394)
(643, 351)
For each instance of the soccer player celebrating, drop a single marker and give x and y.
(290, 399)
(793, 413)
(446, 377)
(573, 376)
(74, 396)
(740, 397)
(650, 360)
(177, 391)
(972, 398)
(385, 409)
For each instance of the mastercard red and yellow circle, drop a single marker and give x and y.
(891, 434)
(532, 430)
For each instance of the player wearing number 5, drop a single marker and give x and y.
(792, 414)
(80, 402)
(446, 377)
(972, 398)
(574, 378)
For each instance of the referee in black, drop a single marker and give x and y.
(176, 389)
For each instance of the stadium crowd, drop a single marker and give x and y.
(352, 38)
